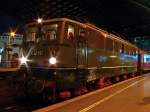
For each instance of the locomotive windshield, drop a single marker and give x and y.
(39, 38)
(41, 33)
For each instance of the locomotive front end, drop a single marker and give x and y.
(40, 46)
(39, 58)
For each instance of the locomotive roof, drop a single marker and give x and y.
(105, 33)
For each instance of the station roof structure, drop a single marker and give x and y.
(128, 18)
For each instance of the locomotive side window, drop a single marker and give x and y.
(82, 46)
(70, 32)
(122, 48)
(82, 35)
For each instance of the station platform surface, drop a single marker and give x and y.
(132, 95)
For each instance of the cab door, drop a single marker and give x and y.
(81, 49)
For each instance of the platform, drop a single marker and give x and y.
(2, 70)
(132, 95)
(7, 72)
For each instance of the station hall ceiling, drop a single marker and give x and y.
(128, 18)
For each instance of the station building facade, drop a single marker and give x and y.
(8, 46)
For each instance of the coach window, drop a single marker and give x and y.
(70, 32)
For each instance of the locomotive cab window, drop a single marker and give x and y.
(31, 36)
(45, 32)
(51, 32)
(51, 35)
(70, 32)
(31, 33)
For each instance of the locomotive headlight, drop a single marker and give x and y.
(52, 60)
(23, 60)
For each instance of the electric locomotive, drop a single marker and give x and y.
(64, 55)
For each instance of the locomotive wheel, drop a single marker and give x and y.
(20, 89)
(48, 95)
(35, 86)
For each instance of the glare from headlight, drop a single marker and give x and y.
(52, 60)
(23, 60)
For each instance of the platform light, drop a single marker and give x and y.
(12, 34)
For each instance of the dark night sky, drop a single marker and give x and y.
(128, 18)
(6, 22)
